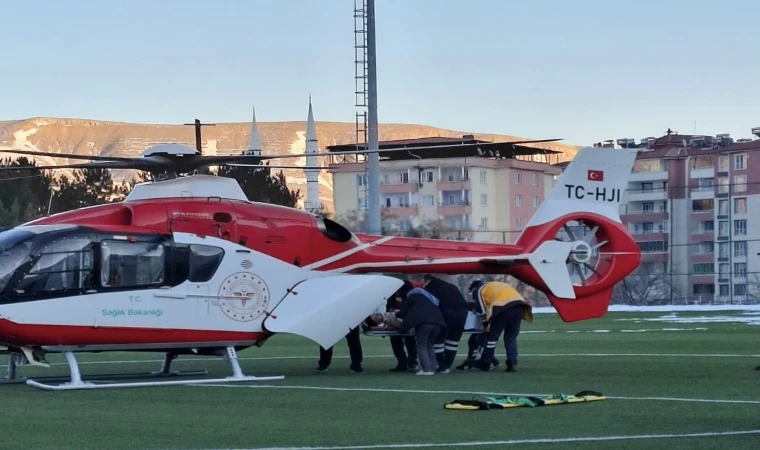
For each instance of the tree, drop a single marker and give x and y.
(356, 221)
(649, 284)
(87, 187)
(260, 186)
(324, 212)
(26, 192)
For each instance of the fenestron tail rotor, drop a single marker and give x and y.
(583, 261)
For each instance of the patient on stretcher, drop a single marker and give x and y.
(383, 321)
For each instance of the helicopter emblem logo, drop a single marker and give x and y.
(244, 296)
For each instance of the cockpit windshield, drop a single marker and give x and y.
(15, 248)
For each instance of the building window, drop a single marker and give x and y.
(361, 180)
(740, 161)
(427, 177)
(652, 246)
(702, 205)
(723, 271)
(704, 268)
(647, 207)
(740, 289)
(723, 250)
(518, 177)
(484, 223)
(535, 201)
(740, 227)
(740, 249)
(483, 200)
(740, 183)
(723, 228)
(706, 226)
(704, 289)
(724, 289)
(428, 201)
(518, 200)
(647, 187)
(534, 179)
(722, 207)
(740, 270)
(707, 247)
(723, 164)
(482, 177)
(518, 224)
(740, 205)
(723, 185)
(362, 204)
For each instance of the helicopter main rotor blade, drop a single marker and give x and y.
(134, 165)
(252, 159)
(267, 166)
(70, 155)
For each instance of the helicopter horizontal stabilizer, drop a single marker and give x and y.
(549, 262)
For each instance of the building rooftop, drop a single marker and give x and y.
(674, 145)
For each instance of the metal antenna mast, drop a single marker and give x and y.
(373, 176)
(360, 94)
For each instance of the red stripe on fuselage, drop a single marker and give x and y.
(34, 334)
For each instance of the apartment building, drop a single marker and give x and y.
(693, 205)
(470, 194)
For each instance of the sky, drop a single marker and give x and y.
(583, 71)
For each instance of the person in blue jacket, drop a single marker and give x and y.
(420, 311)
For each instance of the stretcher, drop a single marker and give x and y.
(473, 325)
(484, 402)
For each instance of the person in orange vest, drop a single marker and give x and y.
(502, 310)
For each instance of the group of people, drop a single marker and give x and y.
(431, 319)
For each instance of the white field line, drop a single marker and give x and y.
(423, 391)
(520, 441)
(316, 357)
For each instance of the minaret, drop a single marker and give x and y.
(254, 147)
(312, 175)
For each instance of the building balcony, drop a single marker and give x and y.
(644, 217)
(703, 172)
(702, 258)
(654, 257)
(653, 195)
(403, 211)
(644, 236)
(399, 188)
(703, 215)
(648, 176)
(702, 278)
(454, 209)
(702, 237)
(461, 185)
(702, 193)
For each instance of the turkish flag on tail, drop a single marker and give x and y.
(595, 175)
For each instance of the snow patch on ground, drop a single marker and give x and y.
(673, 318)
(750, 309)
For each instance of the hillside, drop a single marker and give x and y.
(94, 137)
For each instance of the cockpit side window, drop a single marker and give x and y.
(62, 265)
(131, 264)
(204, 260)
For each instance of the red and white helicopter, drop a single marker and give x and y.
(187, 265)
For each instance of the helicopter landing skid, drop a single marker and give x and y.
(76, 381)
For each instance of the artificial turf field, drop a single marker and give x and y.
(668, 385)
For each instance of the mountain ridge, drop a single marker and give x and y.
(86, 136)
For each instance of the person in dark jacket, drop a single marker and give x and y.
(454, 309)
(420, 311)
(405, 360)
(354, 350)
